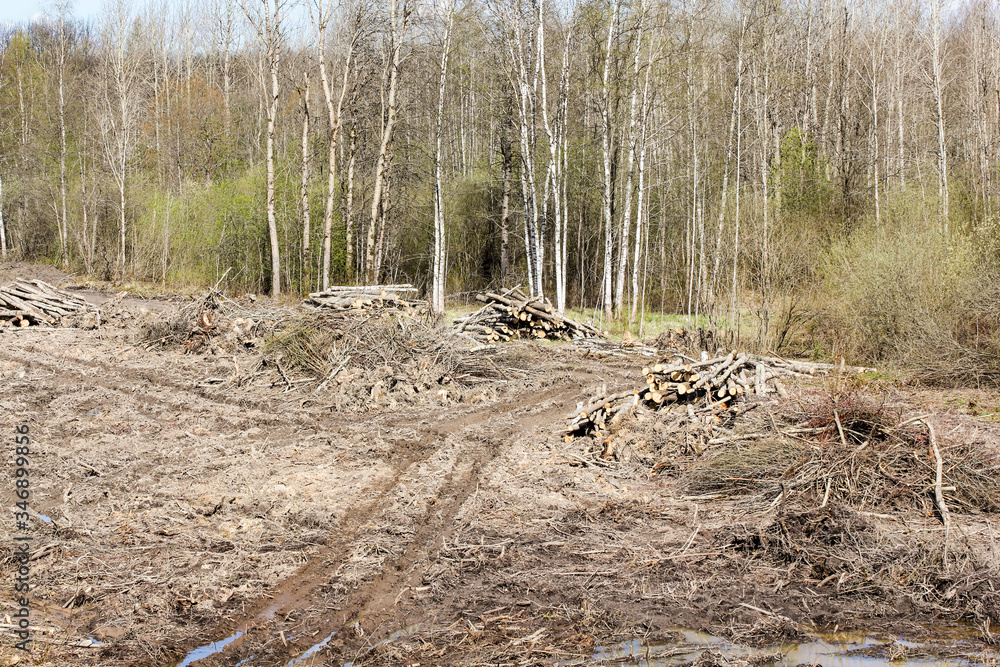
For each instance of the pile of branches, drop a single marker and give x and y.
(370, 297)
(513, 314)
(212, 322)
(374, 362)
(716, 384)
(32, 302)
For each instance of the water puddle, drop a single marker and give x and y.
(203, 652)
(312, 650)
(946, 649)
(832, 650)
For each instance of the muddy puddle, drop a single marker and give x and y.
(949, 648)
(827, 650)
(207, 650)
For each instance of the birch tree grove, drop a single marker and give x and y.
(726, 162)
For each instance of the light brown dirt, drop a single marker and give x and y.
(184, 512)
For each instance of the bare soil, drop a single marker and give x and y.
(177, 506)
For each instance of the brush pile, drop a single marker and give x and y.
(715, 384)
(212, 323)
(373, 363)
(368, 298)
(516, 315)
(32, 302)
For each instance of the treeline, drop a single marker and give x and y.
(728, 159)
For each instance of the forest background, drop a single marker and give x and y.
(815, 176)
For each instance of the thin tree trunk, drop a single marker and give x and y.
(505, 186)
(626, 210)
(641, 197)
(439, 269)
(350, 261)
(268, 27)
(733, 313)
(306, 238)
(89, 243)
(377, 208)
(3, 227)
(272, 222)
(938, 95)
(606, 149)
(725, 186)
(64, 224)
(320, 21)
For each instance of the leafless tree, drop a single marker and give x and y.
(266, 19)
(119, 115)
(439, 265)
(398, 21)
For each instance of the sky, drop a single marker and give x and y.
(22, 11)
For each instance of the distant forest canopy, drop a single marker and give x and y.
(734, 159)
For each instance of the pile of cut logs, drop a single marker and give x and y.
(369, 297)
(516, 315)
(718, 383)
(31, 302)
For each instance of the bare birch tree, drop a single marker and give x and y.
(266, 20)
(306, 257)
(937, 89)
(632, 140)
(607, 198)
(119, 118)
(62, 7)
(321, 13)
(440, 232)
(398, 21)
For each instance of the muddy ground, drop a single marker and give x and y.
(177, 503)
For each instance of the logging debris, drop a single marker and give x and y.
(695, 403)
(371, 363)
(212, 323)
(369, 297)
(714, 385)
(27, 302)
(513, 314)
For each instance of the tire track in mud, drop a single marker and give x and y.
(303, 593)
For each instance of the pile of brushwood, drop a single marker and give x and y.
(709, 386)
(513, 314)
(212, 323)
(824, 469)
(33, 302)
(372, 363)
(368, 298)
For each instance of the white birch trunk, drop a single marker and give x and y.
(306, 258)
(3, 227)
(64, 222)
(396, 28)
(938, 86)
(626, 212)
(439, 269)
(606, 150)
(640, 207)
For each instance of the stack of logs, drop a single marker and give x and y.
(516, 315)
(32, 302)
(718, 383)
(369, 297)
